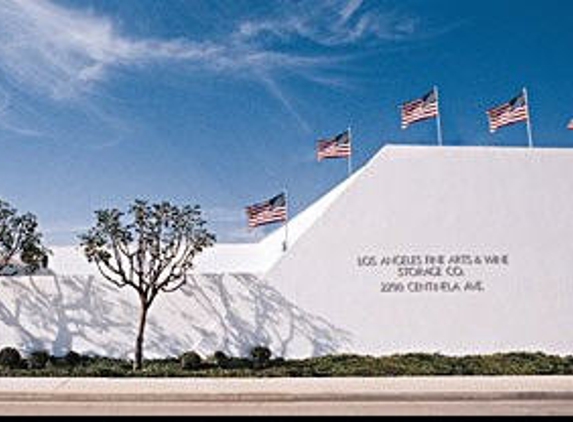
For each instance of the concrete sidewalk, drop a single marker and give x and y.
(454, 389)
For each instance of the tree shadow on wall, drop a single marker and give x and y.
(55, 313)
(272, 320)
(232, 313)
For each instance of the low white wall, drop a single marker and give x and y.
(231, 313)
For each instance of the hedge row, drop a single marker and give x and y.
(261, 364)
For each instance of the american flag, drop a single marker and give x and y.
(268, 212)
(421, 109)
(515, 111)
(339, 147)
(570, 126)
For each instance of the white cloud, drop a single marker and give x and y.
(351, 7)
(61, 52)
(331, 23)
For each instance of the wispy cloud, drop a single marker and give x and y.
(5, 121)
(331, 23)
(351, 7)
(63, 54)
(276, 91)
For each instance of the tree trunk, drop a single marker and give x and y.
(138, 363)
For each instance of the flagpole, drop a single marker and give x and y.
(439, 118)
(285, 244)
(529, 127)
(350, 156)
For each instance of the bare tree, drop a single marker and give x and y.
(20, 239)
(151, 254)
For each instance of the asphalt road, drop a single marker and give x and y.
(521, 396)
(513, 408)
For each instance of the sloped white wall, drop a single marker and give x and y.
(429, 201)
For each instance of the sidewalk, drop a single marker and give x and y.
(287, 390)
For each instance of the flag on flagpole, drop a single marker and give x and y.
(570, 125)
(268, 212)
(515, 111)
(338, 147)
(421, 109)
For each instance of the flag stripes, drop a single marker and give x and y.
(268, 212)
(515, 111)
(339, 147)
(421, 109)
(570, 125)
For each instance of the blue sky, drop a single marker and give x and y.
(220, 102)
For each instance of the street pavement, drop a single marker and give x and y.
(350, 396)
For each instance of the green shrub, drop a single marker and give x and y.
(191, 361)
(221, 359)
(38, 359)
(238, 364)
(106, 367)
(105, 372)
(72, 358)
(260, 364)
(261, 357)
(278, 362)
(10, 358)
(69, 361)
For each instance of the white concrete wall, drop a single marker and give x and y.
(420, 201)
(317, 300)
(232, 313)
